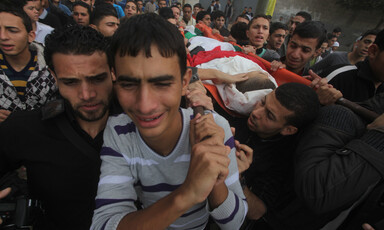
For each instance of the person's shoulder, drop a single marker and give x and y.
(338, 71)
(44, 27)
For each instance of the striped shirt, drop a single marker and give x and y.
(131, 170)
(19, 79)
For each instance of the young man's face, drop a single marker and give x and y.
(162, 4)
(31, 9)
(149, 91)
(268, 118)
(81, 15)
(139, 4)
(276, 39)
(207, 20)
(363, 45)
(299, 52)
(294, 22)
(108, 25)
(322, 49)
(176, 12)
(331, 41)
(85, 81)
(130, 9)
(14, 38)
(196, 10)
(219, 22)
(187, 12)
(258, 32)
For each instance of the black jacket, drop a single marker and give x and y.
(357, 84)
(59, 174)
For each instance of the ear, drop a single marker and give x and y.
(31, 36)
(185, 80)
(247, 32)
(373, 50)
(288, 130)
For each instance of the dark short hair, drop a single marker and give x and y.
(330, 36)
(77, 40)
(187, 5)
(201, 15)
(256, 17)
(198, 5)
(83, 4)
(242, 16)
(13, 7)
(239, 31)
(301, 100)
(369, 32)
(307, 16)
(166, 13)
(142, 31)
(311, 29)
(217, 14)
(101, 11)
(277, 25)
(337, 30)
(379, 41)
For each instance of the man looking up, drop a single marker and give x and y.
(26, 83)
(81, 13)
(359, 53)
(257, 33)
(277, 34)
(104, 19)
(148, 147)
(62, 140)
(187, 15)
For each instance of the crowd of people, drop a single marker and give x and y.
(156, 115)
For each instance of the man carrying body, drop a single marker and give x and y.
(62, 140)
(306, 40)
(257, 33)
(26, 83)
(104, 19)
(147, 153)
(359, 53)
(81, 13)
(277, 34)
